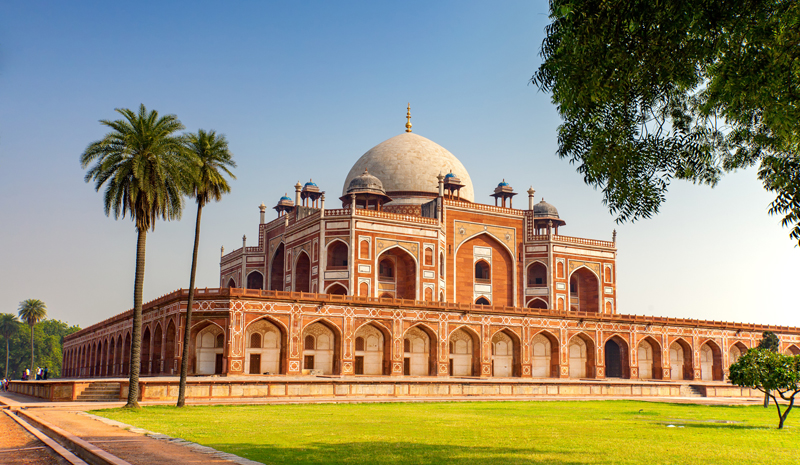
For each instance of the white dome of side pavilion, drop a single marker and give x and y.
(408, 166)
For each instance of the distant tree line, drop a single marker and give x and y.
(48, 341)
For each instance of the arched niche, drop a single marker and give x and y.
(648, 357)
(680, 360)
(537, 303)
(537, 275)
(255, 280)
(336, 289)
(465, 353)
(544, 351)
(419, 351)
(265, 348)
(157, 347)
(372, 351)
(501, 271)
(169, 348)
(617, 358)
(506, 354)
(276, 268)
(581, 356)
(736, 350)
(710, 362)
(209, 345)
(584, 291)
(144, 368)
(397, 273)
(338, 254)
(302, 273)
(321, 348)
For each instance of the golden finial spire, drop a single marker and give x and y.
(408, 118)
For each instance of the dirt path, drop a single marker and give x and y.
(135, 448)
(18, 446)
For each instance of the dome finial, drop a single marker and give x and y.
(408, 118)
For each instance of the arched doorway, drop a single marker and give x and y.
(110, 359)
(792, 350)
(119, 370)
(417, 353)
(276, 269)
(209, 347)
(302, 273)
(616, 358)
(649, 359)
(505, 354)
(537, 303)
(231, 283)
(255, 280)
(126, 355)
(263, 353)
(397, 274)
(544, 347)
(710, 362)
(499, 286)
(537, 275)
(464, 353)
(321, 348)
(581, 357)
(737, 350)
(371, 351)
(680, 360)
(584, 291)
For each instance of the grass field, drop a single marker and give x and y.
(482, 432)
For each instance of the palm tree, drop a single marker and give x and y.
(212, 159)
(8, 326)
(32, 311)
(142, 163)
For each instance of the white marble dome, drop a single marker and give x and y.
(410, 163)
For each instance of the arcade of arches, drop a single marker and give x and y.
(370, 351)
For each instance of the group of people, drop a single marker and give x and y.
(4, 385)
(41, 374)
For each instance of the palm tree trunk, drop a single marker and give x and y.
(188, 324)
(6, 377)
(32, 372)
(136, 336)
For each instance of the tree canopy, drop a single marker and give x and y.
(655, 91)
(48, 337)
(769, 341)
(769, 372)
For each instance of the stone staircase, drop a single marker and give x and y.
(100, 392)
(693, 390)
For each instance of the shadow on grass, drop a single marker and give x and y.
(399, 453)
(718, 426)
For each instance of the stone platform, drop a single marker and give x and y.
(225, 388)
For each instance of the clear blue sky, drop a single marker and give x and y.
(301, 90)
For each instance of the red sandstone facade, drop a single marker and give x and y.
(415, 280)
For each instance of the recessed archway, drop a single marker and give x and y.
(337, 255)
(544, 348)
(209, 342)
(336, 289)
(506, 354)
(372, 350)
(265, 349)
(792, 350)
(680, 360)
(145, 361)
(537, 275)
(737, 350)
(255, 280)
(302, 273)
(465, 353)
(276, 269)
(419, 354)
(710, 362)
(501, 272)
(169, 349)
(321, 347)
(616, 358)
(157, 346)
(397, 273)
(537, 303)
(649, 359)
(584, 291)
(581, 356)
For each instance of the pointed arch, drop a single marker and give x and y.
(503, 271)
(792, 349)
(648, 358)
(537, 302)
(112, 347)
(584, 290)
(255, 280)
(126, 354)
(404, 272)
(581, 352)
(272, 354)
(465, 351)
(158, 335)
(301, 269)
(506, 353)
(231, 283)
(710, 361)
(536, 274)
(169, 348)
(617, 357)
(327, 354)
(681, 359)
(736, 350)
(545, 352)
(420, 350)
(207, 358)
(373, 356)
(147, 340)
(337, 289)
(482, 300)
(338, 254)
(276, 268)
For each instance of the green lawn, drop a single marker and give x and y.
(482, 432)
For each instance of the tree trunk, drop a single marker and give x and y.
(136, 335)
(33, 373)
(6, 357)
(766, 399)
(188, 323)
